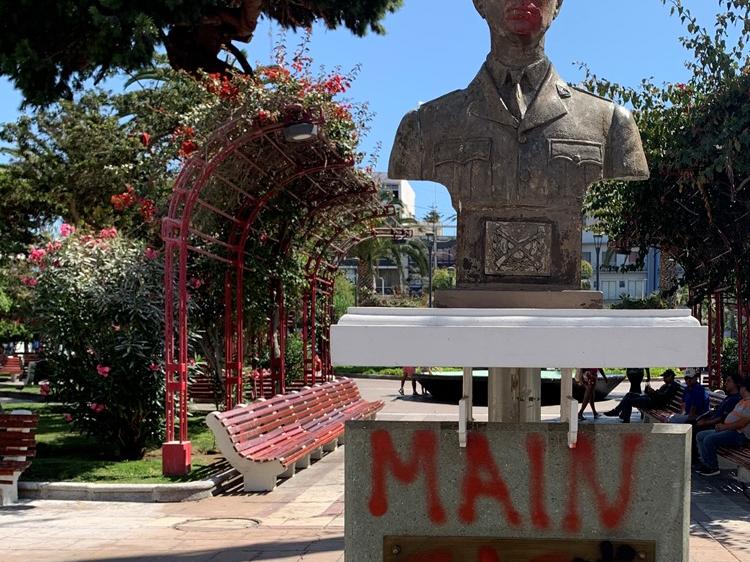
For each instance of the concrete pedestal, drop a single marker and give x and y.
(516, 482)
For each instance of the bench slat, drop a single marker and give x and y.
(287, 428)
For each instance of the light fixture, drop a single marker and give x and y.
(300, 132)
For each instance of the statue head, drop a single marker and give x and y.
(519, 21)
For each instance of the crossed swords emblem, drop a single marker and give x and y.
(525, 246)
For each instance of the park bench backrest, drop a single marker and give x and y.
(12, 365)
(17, 435)
(309, 406)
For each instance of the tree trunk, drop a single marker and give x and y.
(366, 282)
(668, 278)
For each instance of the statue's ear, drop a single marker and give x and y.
(479, 5)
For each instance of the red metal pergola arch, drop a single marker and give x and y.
(220, 195)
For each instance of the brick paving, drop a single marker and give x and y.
(302, 520)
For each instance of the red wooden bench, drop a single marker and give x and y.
(663, 414)
(272, 438)
(17, 446)
(13, 368)
(737, 458)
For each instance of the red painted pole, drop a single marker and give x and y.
(240, 330)
(169, 364)
(282, 339)
(718, 340)
(313, 323)
(305, 337)
(228, 335)
(183, 345)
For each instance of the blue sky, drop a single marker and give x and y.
(436, 46)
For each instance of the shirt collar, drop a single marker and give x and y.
(534, 74)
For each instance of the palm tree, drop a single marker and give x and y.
(369, 252)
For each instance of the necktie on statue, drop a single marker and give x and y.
(514, 97)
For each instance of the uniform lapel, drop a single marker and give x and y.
(547, 105)
(486, 101)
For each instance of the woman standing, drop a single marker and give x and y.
(635, 378)
(588, 379)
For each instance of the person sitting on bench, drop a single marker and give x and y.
(709, 420)
(734, 433)
(694, 399)
(652, 399)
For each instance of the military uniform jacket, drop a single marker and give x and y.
(518, 185)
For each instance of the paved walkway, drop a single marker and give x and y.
(302, 520)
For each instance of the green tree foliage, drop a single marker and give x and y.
(651, 302)
(100, 310)
(49, 50)
(587, 270)
(444, 278)
(343, 296)
(729, 357)
(696, 205)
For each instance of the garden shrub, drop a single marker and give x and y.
(99, 306)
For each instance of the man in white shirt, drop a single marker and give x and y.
(733, 433)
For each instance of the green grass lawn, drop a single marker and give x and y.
(65, 455)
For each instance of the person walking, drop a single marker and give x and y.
(635, 378)
(588, 379)
(409, 373)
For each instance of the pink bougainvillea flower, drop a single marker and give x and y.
(154, 367)
(124, 200)
(68, 418)
(97, 408)
(187, 148)
(66, 229)
(115, 327)
(151, 254)
(195, 283)
(108, 233)
(53, 247)
(37, 255)
(102, 371)
(29, 281)
(264, 116)
(147, 209)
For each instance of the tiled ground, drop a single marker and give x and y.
(302, 520)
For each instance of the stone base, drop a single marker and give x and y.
(515, 482)
(501, 298)
(176, 458)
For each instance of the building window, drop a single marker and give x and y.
(610, 290)
(637, 289)
(587, 256)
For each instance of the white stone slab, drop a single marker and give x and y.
(394, 337)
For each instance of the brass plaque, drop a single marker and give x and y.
(487, 549)
(518, 248)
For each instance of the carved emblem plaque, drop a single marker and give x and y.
(518, 248)
(470, 549)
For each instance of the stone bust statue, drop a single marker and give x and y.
(517, 151)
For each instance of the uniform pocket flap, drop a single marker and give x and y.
(576, 151)
(457, 151)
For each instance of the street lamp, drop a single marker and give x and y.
(598, 238)
(300, 132)
(430, 240)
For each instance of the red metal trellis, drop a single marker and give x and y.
(716, 338)
(212, 213)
